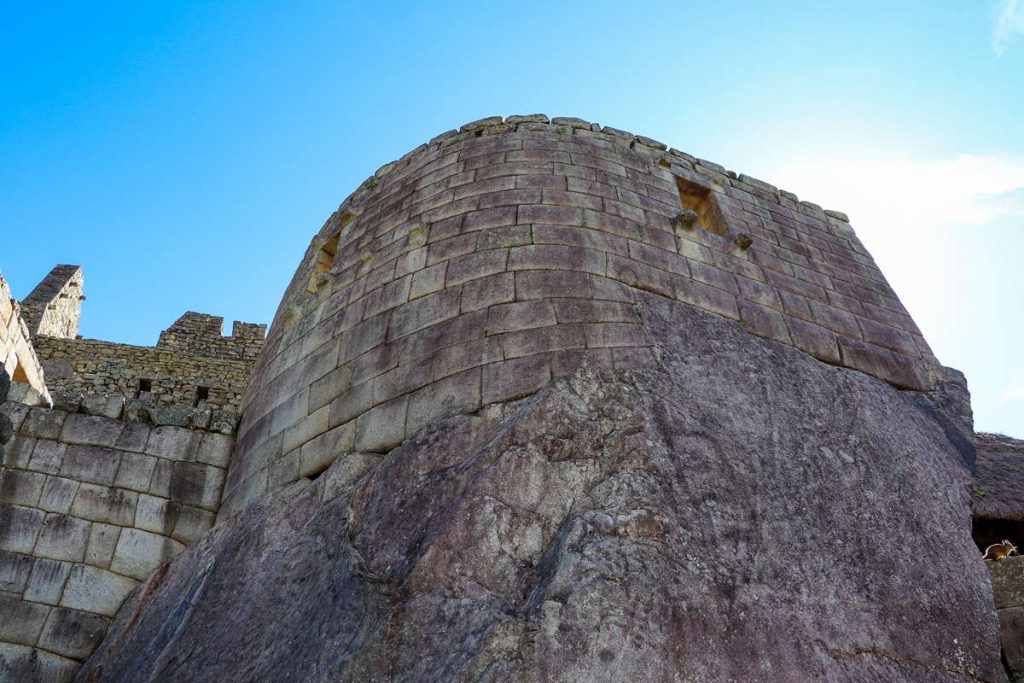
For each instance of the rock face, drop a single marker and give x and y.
(734, 510)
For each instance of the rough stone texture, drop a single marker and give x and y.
(525, 239)
(54, 307)
(732, 510)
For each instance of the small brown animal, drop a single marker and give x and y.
(998, 551)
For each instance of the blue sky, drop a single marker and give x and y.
(185, 153)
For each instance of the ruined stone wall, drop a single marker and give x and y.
(495, 258)
(18, 358)
(89, 507)
(193, 377)
(199, 334)
(54, 307)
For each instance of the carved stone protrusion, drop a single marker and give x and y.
(743, 240)
(686, 219)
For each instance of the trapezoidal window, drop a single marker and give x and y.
(700, 209)
(324, 263)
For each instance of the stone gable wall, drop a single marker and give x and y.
(89, 507)
(18, 360)
(54, 307)
(483, 264)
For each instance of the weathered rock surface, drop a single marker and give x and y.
(736, 512)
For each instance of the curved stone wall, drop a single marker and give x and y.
(483, 264)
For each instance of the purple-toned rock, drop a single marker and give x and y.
(734, 511)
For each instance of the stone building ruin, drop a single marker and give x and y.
(474, 272)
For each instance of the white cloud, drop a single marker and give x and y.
(1009, 23)
(913, 194)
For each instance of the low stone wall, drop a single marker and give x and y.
(495, 258)
(89, 507)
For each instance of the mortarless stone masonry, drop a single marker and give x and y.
(475, 270)
(115, 479)
(484, 264)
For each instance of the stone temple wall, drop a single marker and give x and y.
(483, 264)
(89, 507)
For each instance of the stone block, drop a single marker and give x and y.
(18, 452)
(505, 236)
(215, 449)
(815, 340)
(62, 538)
(20, 487)
(515, 378)
(43, 423)
(383, 427)
(93, 464)
(306, 428)
(402, 380)
(15, 412)
(47, 581)
(19, 528)
(192, 523)
(96, 590)
(24, 663)
(14, 571)
(329, 387)
(133, 437)
(135, 472)
(104, 504)
(428, 280)
(284, 470)
(91, 430)
(519, 315)
(895, 368)
(318, 454)
(476, 265)
(160, 482)
(194, 483)
(881, 335)
(169, 415)
(465, 355)
(173, 443)
(707, 297)
(102, 541)
(47, 456)
(72, 633)
(590, 311)
(58, 494)
(764, 321)
(486, 291)
(158, 515)
(21, 621)
(103, 406)
(350, 404)
(139, 553)
(426, 311)
(453, 395)
(542, 339)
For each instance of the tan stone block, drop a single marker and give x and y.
(383, 427)
(62, 538)
(72, 633)
(19, 528)
(519, 315)
(764, 322)
(136, 471)
(815, 340)
(96, 590)
(58, 494)
(47, 581)
(139, 553)
(307, 428)
(102, 541)
(486, 291)
(318, 454)
(104, 504)
(453, 395)
(512, 379)
(20, 621)
(20, 487)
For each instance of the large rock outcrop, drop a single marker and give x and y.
(734, 511)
